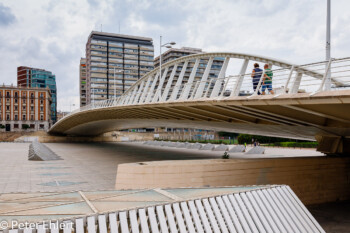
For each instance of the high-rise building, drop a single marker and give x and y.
(114, 62)
(82, 81)
(33, 77)
(24, 108)
(174, 53)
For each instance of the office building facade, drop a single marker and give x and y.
(175, 53)
(25, 108)
(40, 78)
(114, 62)
(82, 82)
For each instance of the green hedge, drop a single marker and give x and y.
(295, 144)
(224, 141)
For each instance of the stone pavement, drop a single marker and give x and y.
(93, 166)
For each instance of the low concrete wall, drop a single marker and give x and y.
(314, 180)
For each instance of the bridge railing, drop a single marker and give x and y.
(309, 78)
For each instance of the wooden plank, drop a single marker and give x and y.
(162, 219)
(253, 213)
(203, 216)
(124, 226)
(102, 224)
(179, 218)
(153, 220)
(133, 221)
(113, 225)
(234, 213)
(91, 226)
(223, 210)
(188, 219)
(267, 212)
(79, 225)
(195, 216)
(171, 220)
(143, 220)
(220, 222)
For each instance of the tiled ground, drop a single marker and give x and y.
(92, 166)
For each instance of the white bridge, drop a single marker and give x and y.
(309, 102)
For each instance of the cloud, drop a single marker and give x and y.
(52, 34)
(6, 16)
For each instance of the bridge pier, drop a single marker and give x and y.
(333, 145)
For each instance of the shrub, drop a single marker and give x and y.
(25, 126)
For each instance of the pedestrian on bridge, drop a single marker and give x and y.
(256, 75)
(267, 84)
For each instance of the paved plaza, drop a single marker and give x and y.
(93, 166)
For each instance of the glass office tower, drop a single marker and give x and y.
(33, 77)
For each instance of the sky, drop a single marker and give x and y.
(52, 34)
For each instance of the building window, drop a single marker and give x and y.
(16, 94)
(32, 117)
(32, 126)
(31, 108)
(7, 107)
(24, 117)
(8, 94)
(15, 126)
(24, 101)
(16, 108)
(7, 100)
(16, 101)
(32, 101)
(41, 101)
(41, 126)
(32, 95)
(41, 117)
(24, 107)
(16, 117)
(41, 109)
(8, 117)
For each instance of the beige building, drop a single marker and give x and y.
(82, 81)
(114, 62)
(25, 108)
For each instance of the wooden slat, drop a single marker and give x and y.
(153, 220)
(195, 216)
(162, 219)
(246, 222)
(143, 220)
(133, 221)
(234, 215)
(67, 227)
(188, 219)
(211, 216)
(171, 220)
(203, 216)
(267, 212)
(252, 213)
(79, 225)
(179, 218)
(124, 226)
(91, 224)
(225, 214)
(113, 225)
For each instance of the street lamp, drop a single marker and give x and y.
(115, 87)
(166, 45)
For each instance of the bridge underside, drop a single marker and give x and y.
(324, 116)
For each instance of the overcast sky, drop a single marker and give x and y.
(52, 34)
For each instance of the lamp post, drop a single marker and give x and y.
(166, 45)
(328, 45)
(115, 88)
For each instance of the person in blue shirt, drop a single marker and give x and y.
(256, 76)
